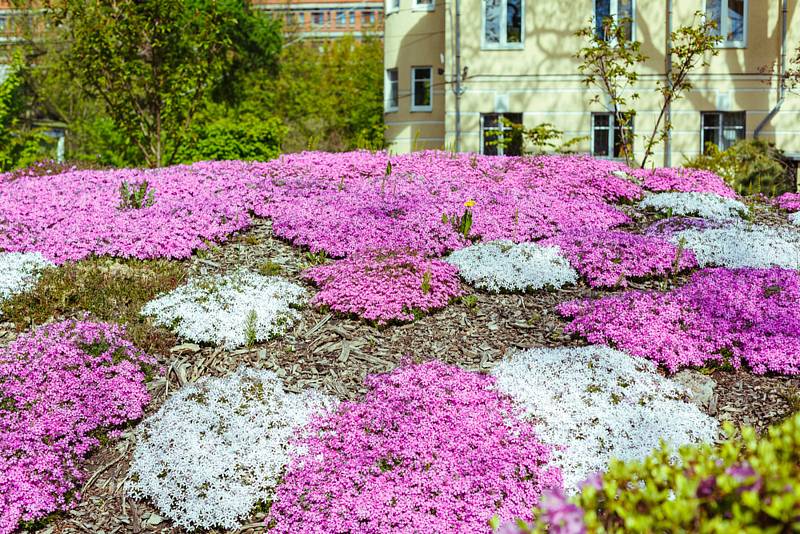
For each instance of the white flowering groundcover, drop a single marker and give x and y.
(218, 447)
(19, 272)
(743, 245)
(504, 266)
(226, 309)
(705, 205)
(794, 218)
(599, 403)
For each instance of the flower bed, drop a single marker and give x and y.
(218, 447)
(61, 387)
(429, 447)
(682, 179)
(722, 316)
(506, 266)
(610, 258)
(231, 310)
(599, 404)
(385, 286)
(19, 272)
(788, 201)
(743, 245)
(705, 205)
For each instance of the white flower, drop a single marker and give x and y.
(227, 309)
(218, 447)
(599, 404)
(706, 205)
(743, 245)
(19, 272)
(794, 218)
(507, 266)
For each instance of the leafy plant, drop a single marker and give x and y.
(136, 196)
(269, 268)
(250, 332)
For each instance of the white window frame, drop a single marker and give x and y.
(614, 13)
(720, 127)
(388, 105)
(612, 131)
(503, 44)
(724, 28)
(392, 6)
(416, 5)
(414, 107)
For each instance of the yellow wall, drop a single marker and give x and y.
(542, 80)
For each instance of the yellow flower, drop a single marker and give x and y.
(469, 203)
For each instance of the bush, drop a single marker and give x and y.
(749, 166)
(247, 138)
(746, 484)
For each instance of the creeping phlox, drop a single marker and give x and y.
(431, 448)
(720, 317)
(743, 245)
(610, 258)
(507, 266)
(19, 272)
(218, 447)
(73, 215)
(794, 218)
(61, 387)
(230, 310)
(350, 203)
(385, 286)
(682, 179)
(600, 404)
(788, 201)
(705, 205)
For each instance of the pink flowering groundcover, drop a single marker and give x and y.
(721, 316)
(431, 448)
(60, 388)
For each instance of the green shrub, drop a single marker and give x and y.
(749, 166)
(745, 484)
(225, 138)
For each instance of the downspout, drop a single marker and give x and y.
(781, 76)
(667, 71)
(458, 75)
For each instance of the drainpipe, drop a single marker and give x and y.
(781, 76)
(458, 75)
(667, 71)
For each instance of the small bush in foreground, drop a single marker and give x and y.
(61, 388)
(110, 290)
(746, 484)
(431, 448)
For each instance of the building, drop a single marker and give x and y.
(327, 19)
(454, 68)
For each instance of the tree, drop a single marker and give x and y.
(610, 61)
(154, 64)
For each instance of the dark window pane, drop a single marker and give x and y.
(735, 20)
(710, 136)
(625, 13)
(710, 120)
(422, 87)
(714, 13)
(514, 21)
(601, 136)
(602, 10)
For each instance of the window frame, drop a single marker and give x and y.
(503, 44)
(388, 107)
(417, 6)
(501, 128)
(414, 107)
(613, 9)
(612, 129)
(392, 6)
(720, 128)
(723, 25)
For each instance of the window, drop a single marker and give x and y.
(613, 9)
(421, 89)
(502, 23)
(423, 5)
(722, 129)
(731, 19)
(3, 23)
(368, 17)
(301, 19)
(608, 140)
(393, 5)
(499, 135)
(341, 19)
(352, 18)
(317, 18)
(392, 95)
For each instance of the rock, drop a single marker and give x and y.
(154, 520)
(185, 347)
(701, 387)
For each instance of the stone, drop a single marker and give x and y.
(701, 387)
